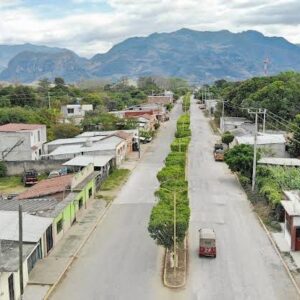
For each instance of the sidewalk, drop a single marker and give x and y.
(48, 271)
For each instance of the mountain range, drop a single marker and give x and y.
(198, 56)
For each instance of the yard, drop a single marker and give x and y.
(11, 184)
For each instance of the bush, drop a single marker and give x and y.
(180, 144)
(170, 172)
(62, 131)
(227, 138)
(3, 169)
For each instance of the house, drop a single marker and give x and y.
(146, 122)
(160, 99)
(103, 163)
(75, 112)
(211, 105)
(60, 198)
(291, 207)
(111, 145)
(22, 142)
(237, 126)
(35, 238)
(271, 144)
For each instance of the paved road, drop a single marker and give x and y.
(121, 261)
(246, 266)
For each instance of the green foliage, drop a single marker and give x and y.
(186, 102)
(62, 131)
(227, 138)
(115, 179)
(240, 159)
(294, 145)
(3, 169)
(104, 121)
(173, 189)
(169, 106)
(180, 144)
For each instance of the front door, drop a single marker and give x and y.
(297, 241)
(11, 287)
(49, 238)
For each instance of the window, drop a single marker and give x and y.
(59, 226)
(80, 203)
(90, 192)
(298, 232)
(39, 136)
(70, 110)
(11, 287)
(40, 151)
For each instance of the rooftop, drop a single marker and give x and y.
(76, 140)
(47, 187)
(289, 162)
(9, 255)
(105, 133)
(14, 127)
(85, 160)
(33, 226)
(29, 205)
(262, 139)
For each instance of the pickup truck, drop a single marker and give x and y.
(30, 177)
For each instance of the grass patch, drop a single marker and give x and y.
(115, 179)
(10, 182)
(214, 126)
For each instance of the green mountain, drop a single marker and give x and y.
(199, 56)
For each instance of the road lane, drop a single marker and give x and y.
(121, 261)
(246, 266)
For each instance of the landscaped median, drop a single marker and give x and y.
(169, 219)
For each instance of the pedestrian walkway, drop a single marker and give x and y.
(48, 271)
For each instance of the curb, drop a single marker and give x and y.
(272, 242)
(165, 272)
(53, 286)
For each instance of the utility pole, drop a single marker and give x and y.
(49, 100)
(256, 113)
(21, 250)
(264, 121)
(223, 112)
(174, 238)
(139, 142)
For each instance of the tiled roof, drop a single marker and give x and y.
(19, 127)
(47, 187)
(123, 135)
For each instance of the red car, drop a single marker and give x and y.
(207, 242)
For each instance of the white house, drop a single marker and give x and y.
(75, 112)
(274, 145)
(19, 142)
(34, 245)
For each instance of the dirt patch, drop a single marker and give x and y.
(176, 277)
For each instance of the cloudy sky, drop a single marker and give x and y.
(94, 26)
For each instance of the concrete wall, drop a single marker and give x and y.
(41, 166)
(4, 291)
(274, 150)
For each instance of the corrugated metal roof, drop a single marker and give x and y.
(69, 149)
(262, 139)
(29, 205)
(291, 162)
(85, 160)
(75, 140)
(33, 226)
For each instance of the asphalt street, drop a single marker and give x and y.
(246, 267)
(121, 262)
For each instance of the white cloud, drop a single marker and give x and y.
(91, 32)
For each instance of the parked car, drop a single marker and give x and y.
(57, 173)
(202, 106)
(207, 242)
(30, 177)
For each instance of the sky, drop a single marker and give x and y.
(89, 27)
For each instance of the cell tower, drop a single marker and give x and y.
(266, 66)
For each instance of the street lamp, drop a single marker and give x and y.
(174, 192)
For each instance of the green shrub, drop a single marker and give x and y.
(3, 169)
